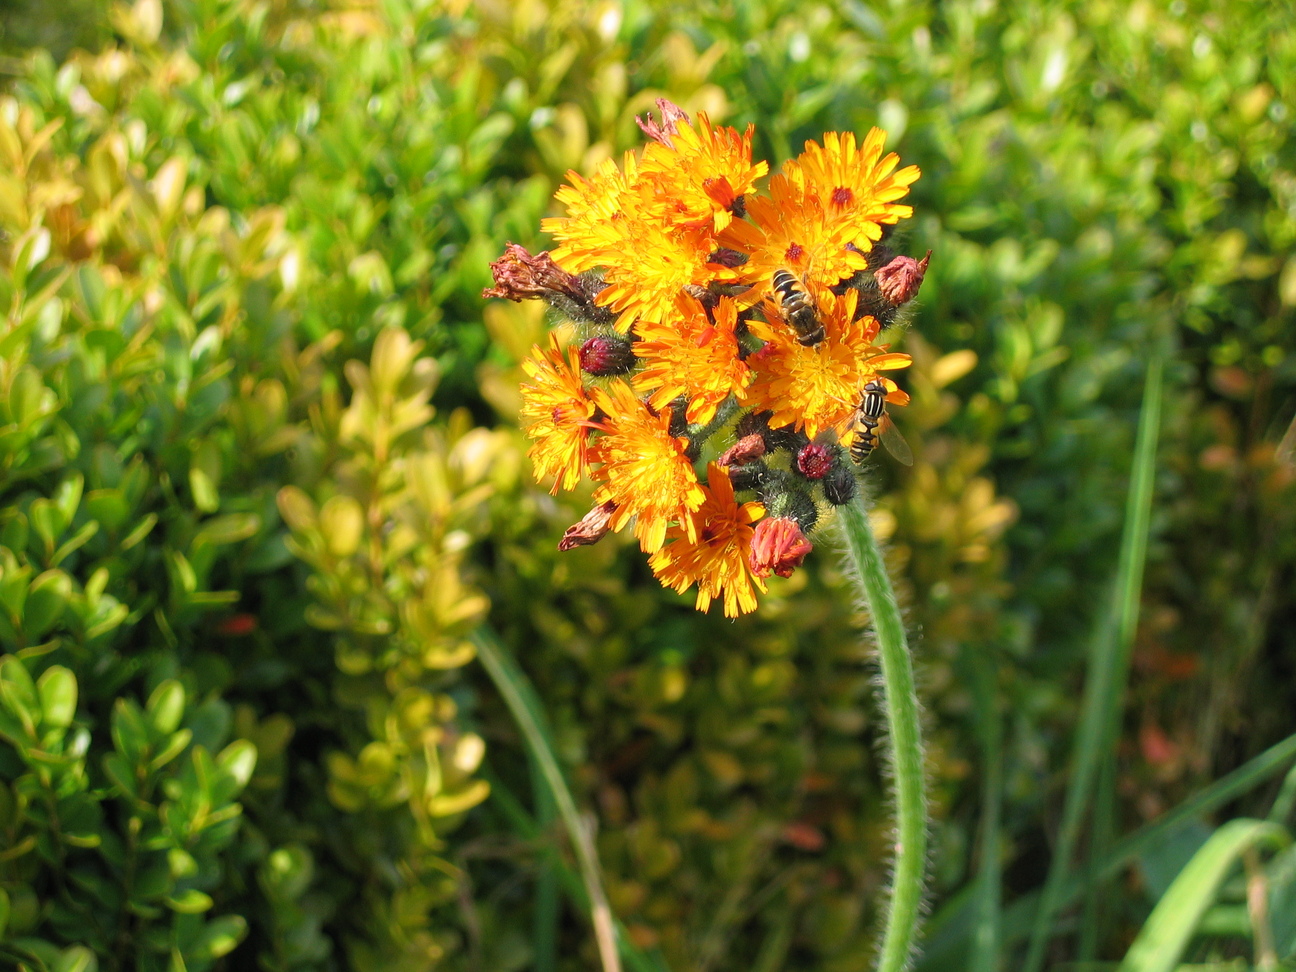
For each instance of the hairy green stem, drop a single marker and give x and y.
(900, 702)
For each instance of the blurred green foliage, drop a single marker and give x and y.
(243, 246)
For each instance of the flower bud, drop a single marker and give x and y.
(792, 504)
(592, 528)
(778, 547)
(840, 484)
(757, 423)
(814, 459)
(752, 475)
(671, 114)
(745, 450)
(606, 354)
(521, 275)
(900, 279)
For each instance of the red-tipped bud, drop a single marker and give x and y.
(521, 275)
(237, 625)
(671, 114)
(606, 354)
(814, 460)
(592, 528)
(778, 547)
(747, 449)
(900, 279)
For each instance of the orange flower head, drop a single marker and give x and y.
(645, 470)
(856, 186)
(791, 230)
(700, 172)
(694, 357)
(559, 412)
(591, 204)
(715, 554)
(818, 388)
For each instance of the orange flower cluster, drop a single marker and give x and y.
(713, 315)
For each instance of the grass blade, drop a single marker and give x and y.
(1172, 923)
(545, 933)
(1108, 666)
(953, 926)
(987, 937)
(521, 699)
(525, 826)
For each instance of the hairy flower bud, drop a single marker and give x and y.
(592, 528)
(778, 547)
(671, 114)
(753, 475)
(814, 460)
(792, 504)
(757, 423)
(900, 279)
(521, 275)
(607, 354)
(840, 484)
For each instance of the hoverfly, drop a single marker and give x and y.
(872, 423)
(797, 307)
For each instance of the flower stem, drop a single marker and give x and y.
(900, 702)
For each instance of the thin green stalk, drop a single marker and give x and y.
(521, 699)
(900, 702)
(1105, 680)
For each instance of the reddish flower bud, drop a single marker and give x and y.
(606, 354)
(671, 114)
(521, 275)
(814, 460)
(748, 448)
(592, 527)
(900, 279)
(778, 547)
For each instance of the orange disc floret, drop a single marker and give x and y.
(559, 411)
(701, 172)
(856, 186)
(818, 388)
(690, 355)
(715, 553)
(649, 264)
(645, 470)
(791, 230)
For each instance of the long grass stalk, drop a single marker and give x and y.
(1104, 691)
(900, 703)
(522, 702)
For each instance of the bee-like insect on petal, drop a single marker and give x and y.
(797, 308)
(872, 424)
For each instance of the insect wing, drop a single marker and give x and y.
(894, 442)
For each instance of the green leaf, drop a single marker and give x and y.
(46, 600)
(191, 902)
(76, 958)
(238, 760)
(165, 706)
(220, 937)
(58, 695)
(1166, 933)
